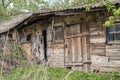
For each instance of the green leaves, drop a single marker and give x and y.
(110, 21)
(108, 5)
(11, 7)
(116, 12)
(28, 5)
(38, 72)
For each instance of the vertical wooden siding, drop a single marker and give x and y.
(77, 45)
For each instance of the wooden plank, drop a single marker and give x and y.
(76, 50)
(66, 50)
(74, 63)
(70, 50)
(73, 50)
(96, 33)
(80, 57)
(58, 51)
(108, 66)
(98, 50)
(113, 47)
(104, 69)
(114, 42)
(99, 59)
(111, 54)
(77, 35)
(97, 40)
(114, 58)
(114, 61)
(77, 41)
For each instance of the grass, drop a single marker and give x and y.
(38, 72)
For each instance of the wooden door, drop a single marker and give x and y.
(40, 46)
(77, 45)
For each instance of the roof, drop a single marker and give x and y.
(115, 1)
(16, 20)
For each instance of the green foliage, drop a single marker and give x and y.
(18, 51)
(109, 22)
(38, 72)
(11, 7)
(114, 10)
(108, 5)
(27, 5)
(19, 54)
(58, 73)
(63, 4)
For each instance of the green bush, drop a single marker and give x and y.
(38, 72)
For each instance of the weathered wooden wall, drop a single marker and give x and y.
(104, 57)
(34, 47)
(7, 43)
(55, 50)
(100, 56)
(83, 47)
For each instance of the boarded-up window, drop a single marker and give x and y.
(113, 32)
(58, 33)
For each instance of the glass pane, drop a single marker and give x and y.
(117, 36)
(109, 36)
(111, 29)
(117, 27)
(58, 34)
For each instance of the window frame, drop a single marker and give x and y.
(58, 25)
(25, 40)
(114, 32)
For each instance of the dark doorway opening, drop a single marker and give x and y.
(44, 33)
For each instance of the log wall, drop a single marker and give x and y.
(104, 57)
(94, 53)
(55, 50)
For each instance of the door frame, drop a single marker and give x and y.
(85, 55)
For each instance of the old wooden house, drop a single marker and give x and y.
(70, 38)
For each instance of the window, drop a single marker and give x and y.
(10, 36)
(25, 38)
(113, 32)
(58, 33)
(29, 37)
